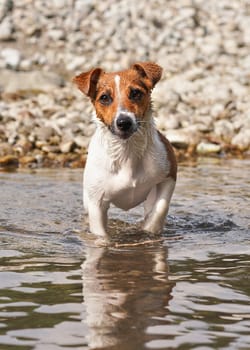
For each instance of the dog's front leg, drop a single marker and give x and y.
(156, 206)
(98, 214)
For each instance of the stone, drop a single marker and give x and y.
(25, 64)
(6, 29)
(217, 109)
(6, 6)
(205, 148)
(178, 138)
(50, 149)
(242, 140)
(9, 161)
(203, 49)
(44, 133)
(81, 141)
(76, 63)
(56, 34)
(30, 81)
(26, 160)
(166, 120)
(23, 146)
(5, 149)
(224, 129)
(12, 57)
(66, 147)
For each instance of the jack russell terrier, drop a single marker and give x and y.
(129, 161)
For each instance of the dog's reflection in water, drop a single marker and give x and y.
(125, 290)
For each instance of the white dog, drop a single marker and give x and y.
(129, 161)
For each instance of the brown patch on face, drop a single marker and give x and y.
(132, 94)
(106, 102)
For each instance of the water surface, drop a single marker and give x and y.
(190, 290)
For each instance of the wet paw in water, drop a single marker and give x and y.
(124, 234)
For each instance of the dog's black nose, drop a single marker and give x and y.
(124, 123)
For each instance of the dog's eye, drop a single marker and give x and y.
(105, 99)
(135, 95)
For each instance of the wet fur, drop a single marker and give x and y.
(126, 172)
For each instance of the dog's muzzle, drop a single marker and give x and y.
(124, 126)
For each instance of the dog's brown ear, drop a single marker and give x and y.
(87, 81)
(150, 70)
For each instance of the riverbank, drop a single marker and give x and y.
(202, 102)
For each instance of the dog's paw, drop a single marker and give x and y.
(152, 227)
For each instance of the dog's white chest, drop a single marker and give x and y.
(125, 179)
(131, 185)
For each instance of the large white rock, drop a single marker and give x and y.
(12, 57)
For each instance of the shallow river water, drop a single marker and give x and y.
(189, 290)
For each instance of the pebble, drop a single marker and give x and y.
(66, 147)
(217, 109)
(75, 63)
(9, 161)
(44, 133)
(30, 81)
(12, 57)
(81, 141)
(202, 100)
(6, 6)
(179, 138)
(224, 129)
(206, 148)
(56, 34)
(6, 29)
(242, 140)
(50, 149)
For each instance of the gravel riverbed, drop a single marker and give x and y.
(202, 103)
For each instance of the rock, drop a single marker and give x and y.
(81, 141)
(204, 148)
(29, 81)
(12, 57)
(217, 109)
(6, 6)
(6, 29)
(224, 129)
(242, 140)
(76, 63)
(203, 49)
(23, 146)
(44, 133)
(60, 4)
(178, 138)
(55, 140)
(166, 120)
(9, 161)
(50, 149)
(56, 34)
(26, 160)
(25, 64)
(5, 149)
(66, 147)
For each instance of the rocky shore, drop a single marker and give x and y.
(202, 103)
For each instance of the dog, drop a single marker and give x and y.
(129, 161)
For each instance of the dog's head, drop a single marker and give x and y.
(121, 99)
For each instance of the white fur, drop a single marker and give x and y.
(117, 86)
(120, 109)
(127, 173)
